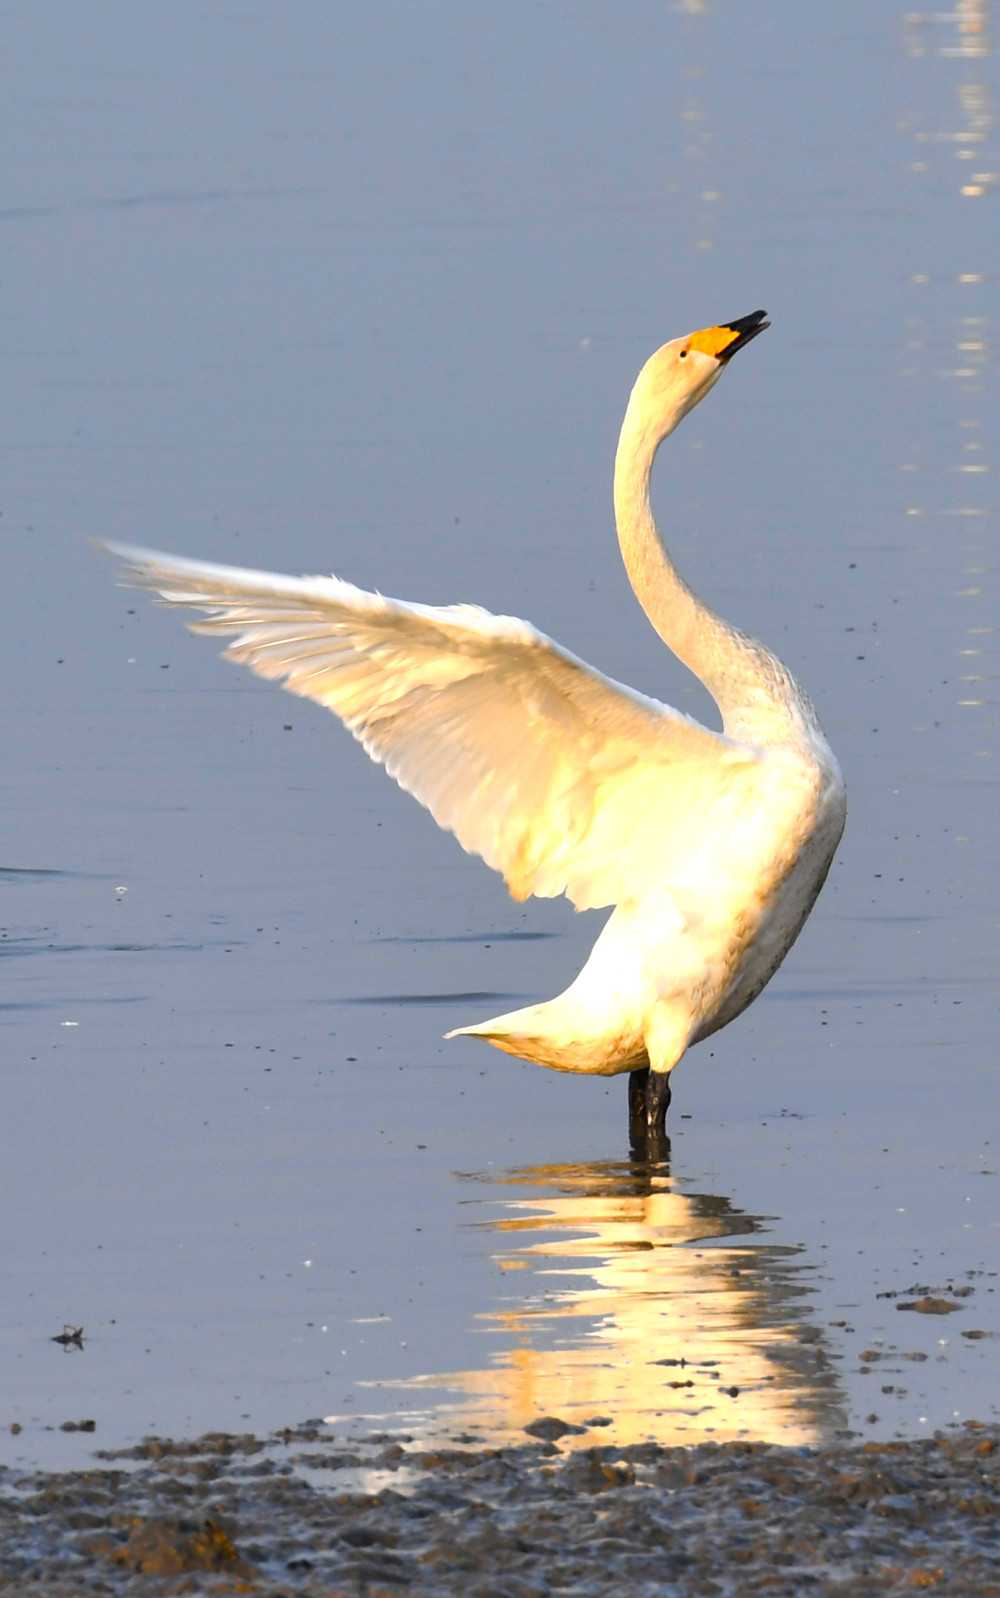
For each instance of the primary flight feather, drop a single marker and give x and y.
(712, 847)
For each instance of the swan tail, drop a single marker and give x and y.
(508, 1031)
(544, 1034)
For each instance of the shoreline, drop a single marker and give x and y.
(304, 1513)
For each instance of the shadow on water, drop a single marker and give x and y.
(477, 997)
(471, 937)
(25, 874)
(11, 948)
(639, 1308)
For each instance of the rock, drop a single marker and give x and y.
(157, 1549)
(549, 1427)
(929, 1305)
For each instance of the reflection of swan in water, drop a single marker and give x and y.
(711, 846)
(632, 1301)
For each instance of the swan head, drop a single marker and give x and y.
(682, 372)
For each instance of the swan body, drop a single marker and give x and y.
(712, 847)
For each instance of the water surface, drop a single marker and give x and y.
(323, 289)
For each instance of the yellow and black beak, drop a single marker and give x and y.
(725, 340)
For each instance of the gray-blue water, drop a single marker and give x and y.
(316, 287)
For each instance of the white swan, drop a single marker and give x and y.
(712, 847)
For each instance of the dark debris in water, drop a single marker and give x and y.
(385, 1516)
(69, 1337)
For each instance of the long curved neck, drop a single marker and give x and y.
(760, 701)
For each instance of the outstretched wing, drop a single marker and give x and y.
(560, 778)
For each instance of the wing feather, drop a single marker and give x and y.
(560, 778)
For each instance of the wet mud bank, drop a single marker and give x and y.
(309, 1514)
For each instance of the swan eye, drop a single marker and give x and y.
(683, 354)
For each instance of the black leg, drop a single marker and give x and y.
(657, 1102)
(648, 1100)
(637, 1105)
